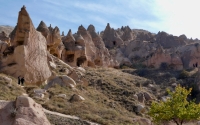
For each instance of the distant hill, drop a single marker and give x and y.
(7, 29)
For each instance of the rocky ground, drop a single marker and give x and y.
(143, 65)
(110, 93)
(7, 29)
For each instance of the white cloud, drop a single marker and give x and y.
(180, 16)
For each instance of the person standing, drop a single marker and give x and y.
(22, 81)
(19, 80)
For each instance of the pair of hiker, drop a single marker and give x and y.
(20, 79)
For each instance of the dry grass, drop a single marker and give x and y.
(108, 98)
(58, 120)
(9, 91)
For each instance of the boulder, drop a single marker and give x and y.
(39, 91)
(62, 96)
(62, 80)
(6, 79)
(174, 85)
(76, 98)
(75, 75)
(24, 110)
(141, 97)
(135, 97)
(147, 96)
(140, 108)
(39, 95)
(81, 70)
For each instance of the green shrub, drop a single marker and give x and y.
(176, 108)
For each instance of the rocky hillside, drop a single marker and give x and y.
(90, 78)
(7, 29)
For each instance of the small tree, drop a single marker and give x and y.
(176, 108)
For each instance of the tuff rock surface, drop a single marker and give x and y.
(27, 55)
(53, 38)
(23, 111)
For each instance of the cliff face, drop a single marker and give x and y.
(140, 46)
(86, 48)
(27, 55)
(53, 38)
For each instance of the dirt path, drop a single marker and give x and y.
(59, 114)
(68, 116)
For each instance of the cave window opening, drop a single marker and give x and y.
(70, 58)
(55, 55)
(114, 43)
(20, 42)
(80, 61)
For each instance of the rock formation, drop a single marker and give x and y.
(127, 33)
(89, 45)
(111, 38)
(86, 48)
(169, 41)
(103, 57)
(53, 38)
(3, 47)
(4, 37)
(189, 55)
(27, 57)
(158, 57)
(111, 48)
(23, 111)
(74, 52)
(7, 29)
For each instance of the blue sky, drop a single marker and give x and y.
(173, 16)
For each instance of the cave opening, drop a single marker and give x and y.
(70, 58)
(114, 43)
(20, 42)
(80, 60)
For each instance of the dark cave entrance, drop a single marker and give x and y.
(114, 43)
(80, 61)
(70, 58)
(20, 42)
